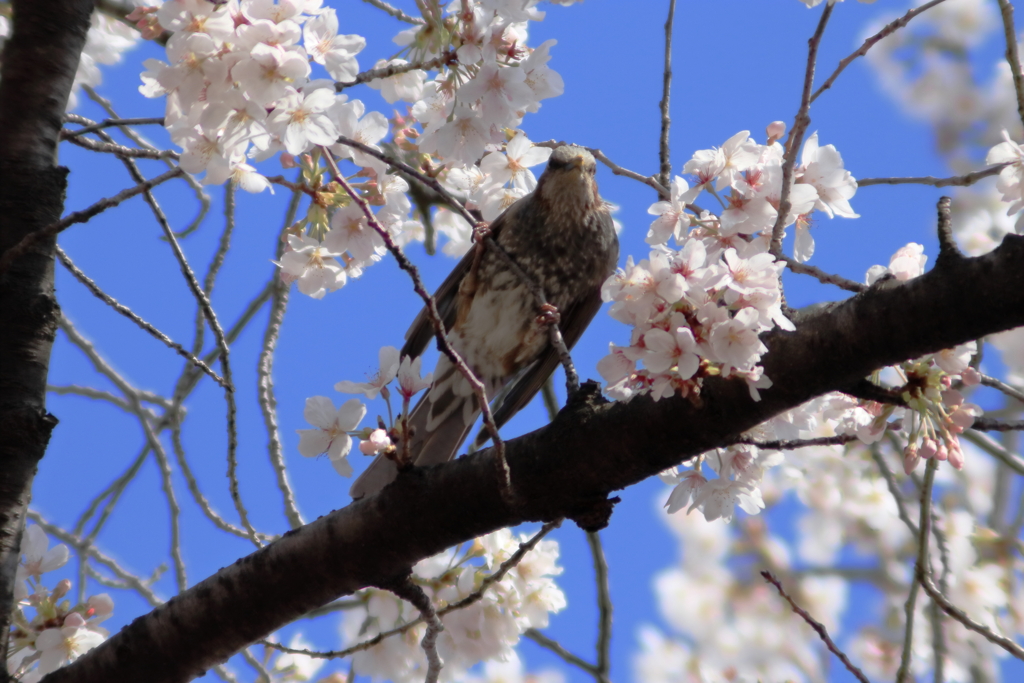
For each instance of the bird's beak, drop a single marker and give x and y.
(577, 163)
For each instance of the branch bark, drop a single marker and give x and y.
(566, 469)
(39, 64)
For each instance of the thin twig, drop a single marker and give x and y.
(665, 176)
(793, 444)
(107, 123)
(953, 181)
(395, 12)
(604, 605)
(86, 548)
(54, 229)
(820, 275)
(395, 69)
(1006, 10)
(894, 489)
(123, 151)
(473, 597)
(265, 379)
(1010, 391)
(887, 30)
(131, 315)
(817, 626)
(993, 448)
(435, 318)
(568, 657)
(796, 135)
(984, 424)
(415, 595)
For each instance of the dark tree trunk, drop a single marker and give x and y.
(39, 64)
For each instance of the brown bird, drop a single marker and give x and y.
(563, 237)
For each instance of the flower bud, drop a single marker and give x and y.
(775, 130)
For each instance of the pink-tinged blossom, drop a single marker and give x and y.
(723, 164)
(269, 73)
(671, 350)
(350, 232)
(501, 92)
(302, 122)
(331, 433)
(514, 165)
(956, 360)
(406, 86)
(544, 81)
(409, 381)
(313, 265)
(377, 442)
(1012, 176)
(60, 646)
(336, 52)
(735, 342)
(389, 362)
(368, 130)
(687, 485)
(822, 168)
(908, 262)
(36, 558)
(284, 34)
(461, 140)
(671, 215)
(457, 229)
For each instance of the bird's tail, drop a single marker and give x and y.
(437, 427)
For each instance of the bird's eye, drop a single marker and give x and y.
(555, 164)
(592, 170)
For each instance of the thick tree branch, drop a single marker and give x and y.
(567, 468)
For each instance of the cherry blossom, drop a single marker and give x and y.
(331, 436)
(313, 265)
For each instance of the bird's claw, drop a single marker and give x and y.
(481, 231)
(549, 315)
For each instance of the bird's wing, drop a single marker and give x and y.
(574, 320)
(422, 331)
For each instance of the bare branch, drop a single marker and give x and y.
(1010, 391)
(887, 30)
(107, 123)
(394, 69)
(395, 12)
(821, 276)
(796, 135)
(665, 177)
(1006, 10)
(817, 626)
(82, 216)
(568, 657)
(604, 605)
(131, 315)
(954, 181)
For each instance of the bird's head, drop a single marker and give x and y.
(569, 178)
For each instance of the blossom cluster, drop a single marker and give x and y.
(334, 428)
(698, 311)
(484, 631)
(240, 87)
(57, 633)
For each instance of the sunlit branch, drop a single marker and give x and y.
(820, 275)
(395, 69)
(886, 31)
(665, 177)
(817, 626)
(1010, 391)
(123, 151)
(265, 381)
(1012, 59)
(796, 135)
(82, 216)
(131, 315)
(395, 12)
(405, 589)
(954, 181)
(566, 656)
(604, 605)
(107, 123)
